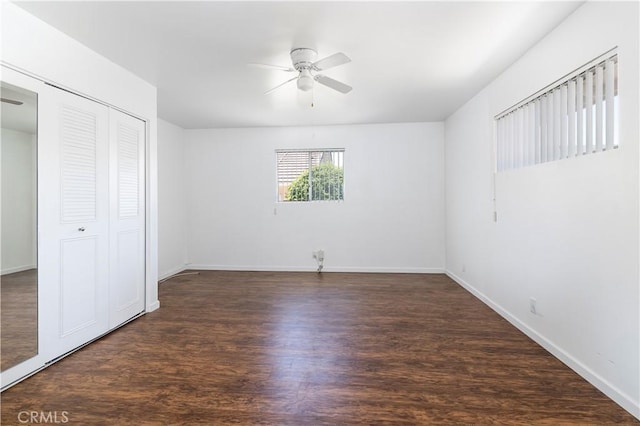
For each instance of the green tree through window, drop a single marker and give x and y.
(316, 175)
(327, 183)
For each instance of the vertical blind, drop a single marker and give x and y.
(575, 116)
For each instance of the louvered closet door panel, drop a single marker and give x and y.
(74, 238)
(126, 289)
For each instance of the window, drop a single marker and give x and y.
(310, 175)
(575, 116)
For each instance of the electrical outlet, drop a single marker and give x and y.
(532, 306)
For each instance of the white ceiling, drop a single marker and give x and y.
(411, 61)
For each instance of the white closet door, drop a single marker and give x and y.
(127, 217)
(74, 241)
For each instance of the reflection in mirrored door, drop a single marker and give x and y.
(18, 227)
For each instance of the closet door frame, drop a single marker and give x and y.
(35, 83)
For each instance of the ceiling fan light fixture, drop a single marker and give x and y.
(305, 81)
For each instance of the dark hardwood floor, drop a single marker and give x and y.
(308, 349)
(18, 317)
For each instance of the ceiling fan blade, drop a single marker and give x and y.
(271, 67)
(334, 84)
(280, 85)
(331, 61)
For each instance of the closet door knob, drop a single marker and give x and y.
(81, 229)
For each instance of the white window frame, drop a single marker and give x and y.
(309, 166)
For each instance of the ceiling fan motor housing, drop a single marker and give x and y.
(303, 58)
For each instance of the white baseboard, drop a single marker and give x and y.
(585, 372)
(173, 271)
(153, 306)
(364, 269)
(16, 269)
(386, 270)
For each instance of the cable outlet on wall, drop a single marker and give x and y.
(319, 255)
(533, 306)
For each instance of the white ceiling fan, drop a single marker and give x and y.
(304, 63)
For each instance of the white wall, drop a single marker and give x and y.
(392, 218)
(172, 202)
(18, 154)
(567, 232)
(30, 45)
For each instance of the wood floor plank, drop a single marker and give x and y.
(18, 317)
(309, 349)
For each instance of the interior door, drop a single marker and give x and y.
(127, 217)
(74, 243)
